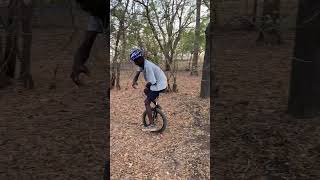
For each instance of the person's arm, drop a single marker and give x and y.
(135, 79)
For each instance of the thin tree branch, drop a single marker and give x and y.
(159, 23)
(147, 14)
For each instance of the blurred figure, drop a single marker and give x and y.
(98, 12)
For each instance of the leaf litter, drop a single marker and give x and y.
(179, 152)
(253, 137)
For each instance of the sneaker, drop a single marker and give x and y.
(151, 127)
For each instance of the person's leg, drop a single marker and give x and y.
(147, 103)
(95, 26)
(81, 56)
(151, 96)
(146, 91)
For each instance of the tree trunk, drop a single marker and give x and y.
(246, 7)
(4, 81)
(254, 14)
(10, 54)
(304, 96)
(174, 85)
(271, 13)
(114, 63)
(11, 39)
(174, 74)
(194, 69)
(210, 56)
(1, 51)
(123, 57)
(118, 75)
(115, 76)
(168, 65)
(205, 81)
(27, 10)
(189, 61)
(11, 42)
(214, 11)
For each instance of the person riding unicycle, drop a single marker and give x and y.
(156, 82)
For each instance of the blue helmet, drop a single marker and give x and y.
(135, 54)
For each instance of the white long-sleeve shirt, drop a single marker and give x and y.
(153, 74)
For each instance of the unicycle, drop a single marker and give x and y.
(160, 119)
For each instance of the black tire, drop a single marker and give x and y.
(162, 115)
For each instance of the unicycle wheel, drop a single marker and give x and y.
(160, 120)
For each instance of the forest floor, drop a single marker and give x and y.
(54, 132)
(183, 150)
(252, 133)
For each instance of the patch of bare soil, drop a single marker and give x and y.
(253, 135)
(54, 133)
(182, 152)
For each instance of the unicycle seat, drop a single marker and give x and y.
(155, 101)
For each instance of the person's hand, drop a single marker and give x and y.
(134, 85)
(146, 90)
(77, 70)
(148, 85)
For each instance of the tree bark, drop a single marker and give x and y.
(114, 62)
(3, 78)
(10, 54)
(123, 55)
(189, 62)
(210, 56)
(194, 69)
(254, 14)
(115, 76)
(118, 75)
(304, 95)
(174, 73)
(27, 10)
(271, 8)
(11, 40)
(246, 7)
(214, 11)
(167, 67)
(1, 51)
(205, 81)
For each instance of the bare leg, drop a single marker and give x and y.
(82, 55)
(148, 109)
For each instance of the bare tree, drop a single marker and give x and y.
(27, 9)
(116, 61)
(10, 55)
(208, 57)
(122, 54)
(194, 68)
(167, 20)
(208, 80)
(304, 96)
(254, 13)
(270, 22)
(19, 12)
(246, 7)
(207, 3)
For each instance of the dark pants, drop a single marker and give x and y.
(152, 95)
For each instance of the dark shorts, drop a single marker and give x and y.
(152, 95)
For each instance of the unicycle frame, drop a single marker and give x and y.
(156, 110)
